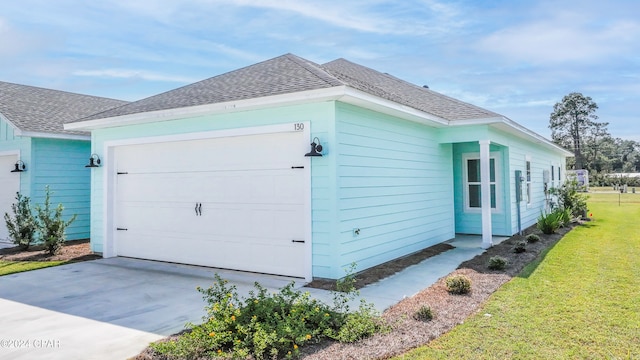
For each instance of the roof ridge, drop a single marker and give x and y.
(317, 67)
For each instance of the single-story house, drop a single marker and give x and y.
(221, 172)
(36, 151)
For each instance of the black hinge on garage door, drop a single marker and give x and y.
(297, 167)
(122, 173)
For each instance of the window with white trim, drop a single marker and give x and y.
(528, 178)
(472, 181)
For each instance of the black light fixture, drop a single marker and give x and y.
(19, 166)
(316, 148)
(94, 161)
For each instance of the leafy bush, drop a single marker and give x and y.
(497, 263)
(424, 313)
(565, 217)
(359, 325)
(22, 227)
(458, 284)
(532, 238)
(520, 247)
(51, 225)
(268, 325)
(569, 197)
(551, 222)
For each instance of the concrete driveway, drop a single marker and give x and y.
(104, 309)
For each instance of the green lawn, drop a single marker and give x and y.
(582, 301)
(11, 267)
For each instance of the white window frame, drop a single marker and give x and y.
(497, 158)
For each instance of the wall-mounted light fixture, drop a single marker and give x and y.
(316, 148)
(94, 161)
(19, 166)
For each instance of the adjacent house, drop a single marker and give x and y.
(36, 151)
(295, 168)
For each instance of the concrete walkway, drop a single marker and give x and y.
(113, 308)
(413, 279)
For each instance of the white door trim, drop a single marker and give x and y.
(110, 188)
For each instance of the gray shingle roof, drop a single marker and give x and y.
(289, 74)
(34, 109)
(405, 93)
(282, 75)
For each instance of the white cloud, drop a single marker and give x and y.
(130, 73)
(367, 16)
(564, 37)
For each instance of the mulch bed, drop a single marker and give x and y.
(450, 310)
(382, 271)
(73, 251)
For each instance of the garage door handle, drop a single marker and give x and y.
(198, 209)
(297, 241)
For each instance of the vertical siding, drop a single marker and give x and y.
(471, 222)
(60, 165)
(394, 184)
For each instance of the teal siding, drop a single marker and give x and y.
(11, 143)
(394, 184)
(540, 160)
(320, 115)
(470, 222)
(514, 152)
(60, 165)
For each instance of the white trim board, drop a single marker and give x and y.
(110, 178)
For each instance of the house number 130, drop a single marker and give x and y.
(298, 126)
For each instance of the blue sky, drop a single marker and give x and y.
(517, 58)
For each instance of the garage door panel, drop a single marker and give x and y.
(252, 202)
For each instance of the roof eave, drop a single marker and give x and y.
(325, 94)
(339, 93)
(513, 127)
(47, 135)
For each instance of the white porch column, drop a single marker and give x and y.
(485, 191)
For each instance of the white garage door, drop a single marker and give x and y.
(9, 185)
(231, 202)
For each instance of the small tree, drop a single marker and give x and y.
(573, 121)
(22, 226)
(51, 225)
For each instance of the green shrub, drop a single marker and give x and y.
(565, 217)
(22, 227)
(51, 225)
(359, 325)
(497, 263)
(425, 313)
(551, 222)
(269, 325)
(532, 238)
(569, 197)
(520, 247)
(458, 284)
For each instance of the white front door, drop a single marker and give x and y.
(9, 186)
(230, 202)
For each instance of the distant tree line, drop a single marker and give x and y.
(574, 126)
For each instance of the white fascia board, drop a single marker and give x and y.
(35, 134)
(513, 127)
(327, 94)
(16, 130)
(340, 93)
(368, 101)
